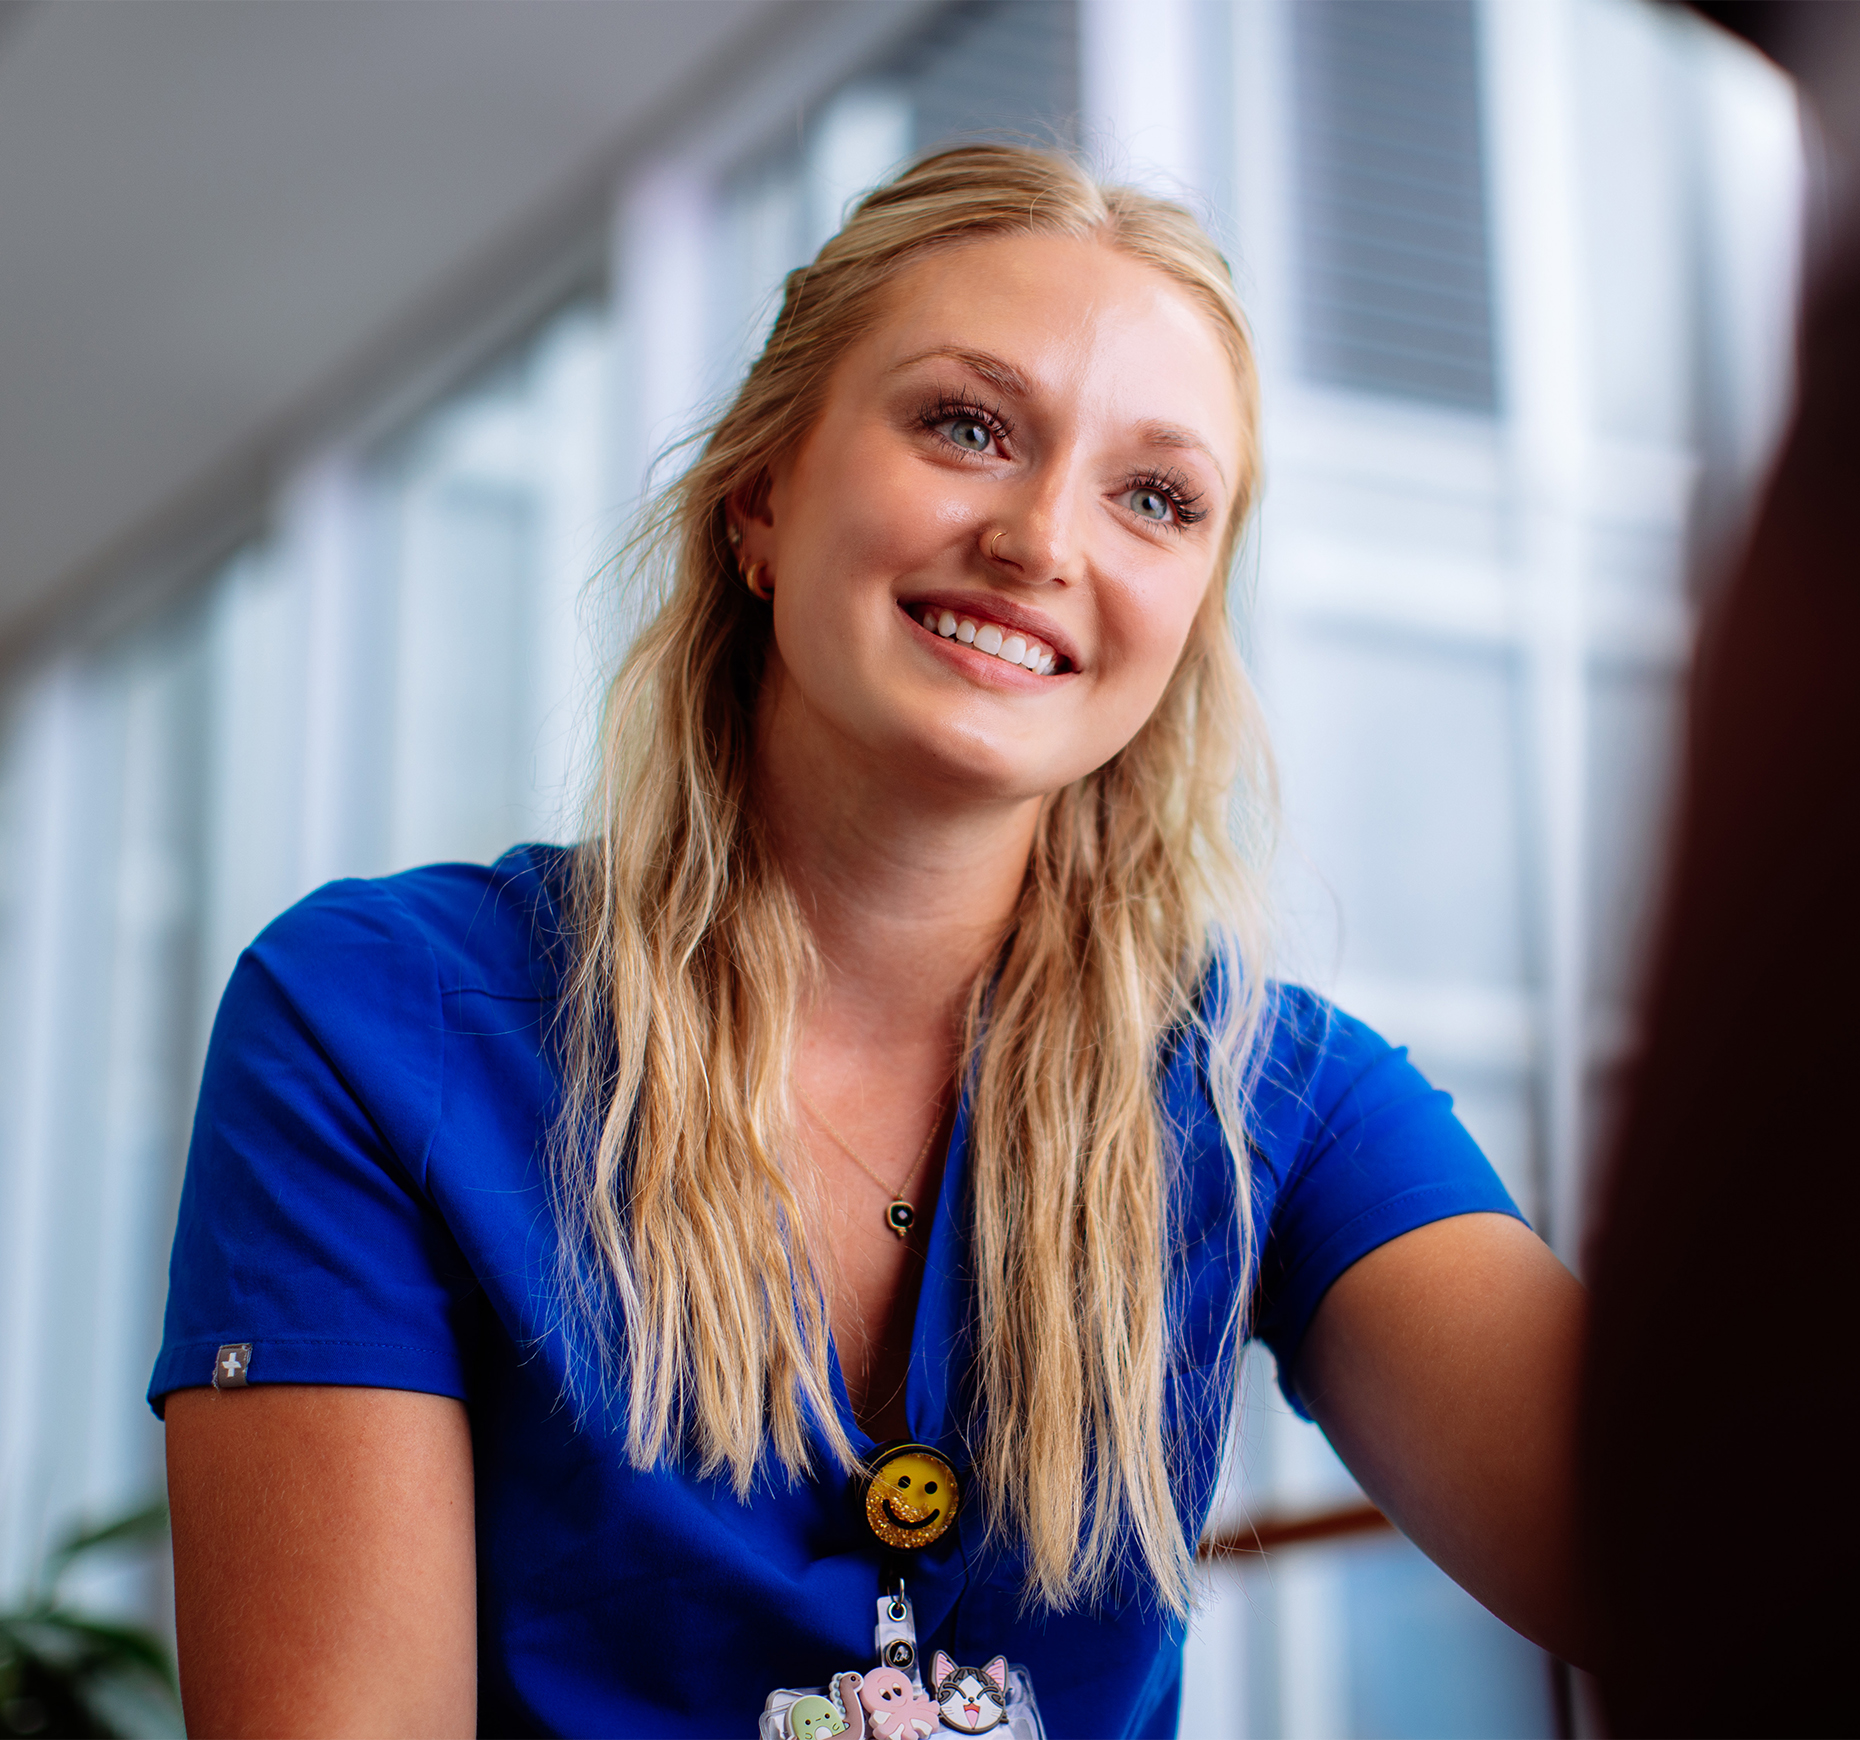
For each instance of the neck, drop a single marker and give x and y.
(909, 888)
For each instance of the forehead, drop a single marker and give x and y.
(1086, 324)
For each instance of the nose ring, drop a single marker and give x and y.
(991, 546)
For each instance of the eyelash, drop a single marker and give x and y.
(1174, 488)
(950, 408)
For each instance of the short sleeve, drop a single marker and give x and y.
(305, 1228)
(1361, 1149)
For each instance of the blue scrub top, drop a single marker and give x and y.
(365, 1204)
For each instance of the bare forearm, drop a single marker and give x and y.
(1445, 1369)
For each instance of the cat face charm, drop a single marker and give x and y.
(970, 1700)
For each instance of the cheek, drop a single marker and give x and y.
(865, 506)
(1150, 622)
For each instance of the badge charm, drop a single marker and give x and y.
(814, 1716)
(890, 1701)
(912, 1496)
(895, 1706)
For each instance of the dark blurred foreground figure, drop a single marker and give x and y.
(1717, 1446)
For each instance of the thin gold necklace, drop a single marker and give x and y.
(899, 1215)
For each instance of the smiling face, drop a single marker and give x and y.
(989, 549)
(911, 1497)
(972, 1700)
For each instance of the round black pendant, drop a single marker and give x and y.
(900, 1217)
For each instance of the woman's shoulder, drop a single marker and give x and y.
(349, 999)
(1316, 1078)
(1306, 1047)
(495, 929)
(1313, 1045)
(1325, 1076)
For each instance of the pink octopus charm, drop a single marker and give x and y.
(895, 1709)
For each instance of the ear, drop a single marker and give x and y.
(996, 1670)
(751, 505)
(750, 518)
(940, 1668)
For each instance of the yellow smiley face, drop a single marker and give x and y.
(911, 1498)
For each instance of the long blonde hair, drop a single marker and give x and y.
(690, 1250)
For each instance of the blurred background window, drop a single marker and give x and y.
(1394, 262)
(1521, 273)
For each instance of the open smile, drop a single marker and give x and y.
(992, 642)
(1007, 645)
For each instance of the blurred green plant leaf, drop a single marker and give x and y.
(139, 1528)
(64, 1672)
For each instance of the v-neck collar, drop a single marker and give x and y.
(939, 1328)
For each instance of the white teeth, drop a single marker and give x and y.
(1010, 647)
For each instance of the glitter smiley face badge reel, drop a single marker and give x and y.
(910, 1498)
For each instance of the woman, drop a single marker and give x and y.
(896, 1060)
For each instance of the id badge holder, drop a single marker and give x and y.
(909, 1501)
(896, 1700)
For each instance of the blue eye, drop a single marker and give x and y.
(1151, 504)
(969, 434)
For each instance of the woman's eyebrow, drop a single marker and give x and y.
(1175, 437)
(993, 369)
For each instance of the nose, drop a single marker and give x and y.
(1040, 531)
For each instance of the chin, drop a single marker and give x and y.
(984, 771)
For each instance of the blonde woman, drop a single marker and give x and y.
(568, 1246)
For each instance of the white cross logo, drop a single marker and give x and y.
(230, 1365)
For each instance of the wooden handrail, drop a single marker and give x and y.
(1266, 1534)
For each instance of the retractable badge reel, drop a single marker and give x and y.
(910, 1499)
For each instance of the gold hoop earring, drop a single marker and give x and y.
(752, 578)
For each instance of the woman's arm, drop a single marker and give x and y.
(324, 1561)
(1444, 1368)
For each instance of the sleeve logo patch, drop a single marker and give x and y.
(231, 1364)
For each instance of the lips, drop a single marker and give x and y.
(1009, 619)
(987, 637)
